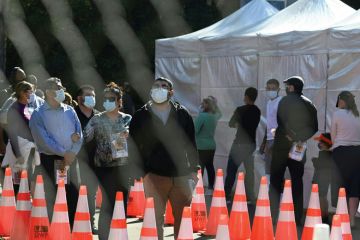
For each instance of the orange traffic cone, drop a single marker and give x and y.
(169, 217)
(82, 227)
(342, 211)
(262, 225)
(286, 226)
(118, 223)
(131, 208)
(149, 230)
(20, 227)
(186, 229)
(218, 205)
(321, 232)
(136, 204)
(336, 233)
(98, 198)
(60, 226)
(222, 232)
(313, 214)
(39, 221)
(7, 205)
(239, 224)
(198, 207)
(139, 198)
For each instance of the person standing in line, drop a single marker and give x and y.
(21, 140)
(345, 133)
(33, 80)
(109, 130)
(205, 125)
(297, 122)
(245, 119)
(272, 93)
(85, 111)
(163, 147)
(6, 99)
(128, 103)
(324, 173)
(57, 133)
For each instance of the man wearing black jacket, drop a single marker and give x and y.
(297, 122)
(162, 146)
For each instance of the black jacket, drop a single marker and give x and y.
(166, 150)
(297, 118)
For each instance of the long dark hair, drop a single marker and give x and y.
(349, 99)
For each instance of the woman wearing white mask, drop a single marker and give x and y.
(109, 129)
(18, 116)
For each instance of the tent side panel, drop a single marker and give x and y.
(185, 73)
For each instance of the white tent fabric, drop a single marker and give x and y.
(188, 45)
(344, 61)
(295, 41)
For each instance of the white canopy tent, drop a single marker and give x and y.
(294, 41)
(344, 61)
(179, 58)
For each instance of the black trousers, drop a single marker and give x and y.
(111, 180)
(89, 179)
(46, 169)
(347, 159)
(279, 163)
(241, 153)
(206, 158)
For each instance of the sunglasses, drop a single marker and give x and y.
(113, 90)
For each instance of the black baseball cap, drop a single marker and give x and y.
(296, 81)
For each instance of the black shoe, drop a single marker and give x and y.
(94, 230)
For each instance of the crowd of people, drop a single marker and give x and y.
(49, 132)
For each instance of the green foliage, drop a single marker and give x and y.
(140, 15)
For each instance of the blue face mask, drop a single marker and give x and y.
(60, 95)
(89, 101)
(32, 98)
(109, 106)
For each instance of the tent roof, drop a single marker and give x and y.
(303, 15)
(253, 12)
(345, 35)
(349, 23)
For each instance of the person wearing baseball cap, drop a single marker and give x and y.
(323, 165)
(297, 122)
(345, 134)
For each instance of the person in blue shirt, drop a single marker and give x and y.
(56, 130)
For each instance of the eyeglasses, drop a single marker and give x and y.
(161, 85)
(113, 90)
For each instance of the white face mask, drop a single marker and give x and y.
(109, 106)
(159, 95)
(89, 101)
(60, 95)
(271, 94)
(31, 98)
